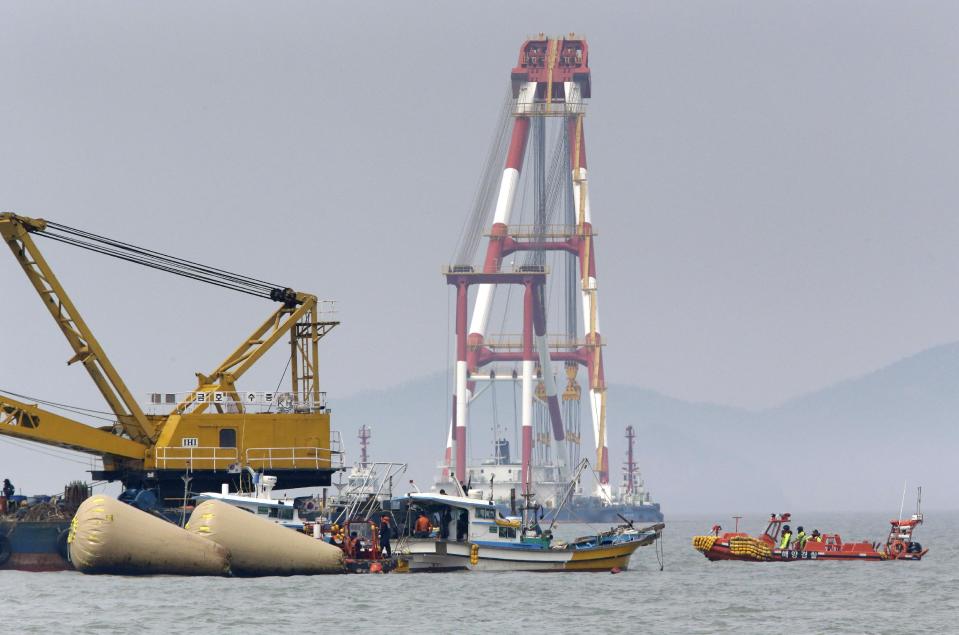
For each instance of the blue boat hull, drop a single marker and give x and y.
(34, 546)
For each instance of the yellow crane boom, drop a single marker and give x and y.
(29, 421)
(16, 232)
(293, 441)
(223, 378)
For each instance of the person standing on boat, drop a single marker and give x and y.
(445, 519)
(787, 535)
(816, 536)
(801, 539)
(354, 545)
(385, 534)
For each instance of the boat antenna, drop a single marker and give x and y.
(903, 501)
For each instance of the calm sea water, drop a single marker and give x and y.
(691, 595)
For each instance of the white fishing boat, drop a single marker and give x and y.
(472, 534)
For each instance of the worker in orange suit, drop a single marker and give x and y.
(422, 528)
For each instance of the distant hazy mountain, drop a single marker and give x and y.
(847, 446)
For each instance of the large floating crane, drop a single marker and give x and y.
(287, 434)
(549, 87)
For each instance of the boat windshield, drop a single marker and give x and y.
(279, 512)
(363, 530)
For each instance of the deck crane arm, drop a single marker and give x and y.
(30, 422)
(284, 320)
(16, 232)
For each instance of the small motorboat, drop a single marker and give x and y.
(771, 547)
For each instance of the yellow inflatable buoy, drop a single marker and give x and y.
(260, 546)
(107, 536)
(704, 543)
(474, 555)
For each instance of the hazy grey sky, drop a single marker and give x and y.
(774, 184)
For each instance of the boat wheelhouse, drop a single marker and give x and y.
(260, 502)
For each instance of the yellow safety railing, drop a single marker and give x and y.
(199, 457)
(295, 457)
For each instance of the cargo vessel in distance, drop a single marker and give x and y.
(498, 479)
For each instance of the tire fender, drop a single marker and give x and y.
(5, 550)
(63, 546)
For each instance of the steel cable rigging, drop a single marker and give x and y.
(488, 186)
(165, 262)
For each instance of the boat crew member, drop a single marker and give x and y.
(801, 538)
(385, 534)
(787, 535)
(445, 519)
(422, 528)
(462, 525)
(356, 545)
(8, 489)
(816, 536)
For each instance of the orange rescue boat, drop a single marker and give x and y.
(770, 547)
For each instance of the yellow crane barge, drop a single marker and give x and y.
(212, 432)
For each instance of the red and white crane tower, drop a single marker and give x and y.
(549, 86)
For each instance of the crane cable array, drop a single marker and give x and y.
(164, 262)
(487, 188)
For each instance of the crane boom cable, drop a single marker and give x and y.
(162, 262)
(487, 187)
(87, 238)
(120, 255)
(161, 256)
(87, 412)
(173, 270)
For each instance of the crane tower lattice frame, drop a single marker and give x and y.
(551, 79)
